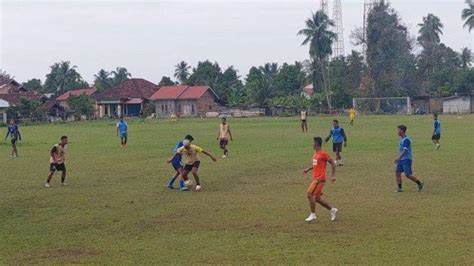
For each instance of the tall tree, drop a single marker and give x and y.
(181, 72)
(320, 38)
(468, 15)
(63, 77)
(290, 79)
(33, 85)
(119, 75)
(260, 84)
(429, 38)
(102, 80)
(388, 51)
(466, 58)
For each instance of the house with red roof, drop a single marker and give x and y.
(127, 99)
(184, 100)
(63, 99)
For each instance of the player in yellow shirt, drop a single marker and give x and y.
(352, 115)
(224, 136)
(56, 162)
(190, 154)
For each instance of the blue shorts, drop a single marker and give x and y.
(123, 135)
(177, 165)
(404, 167)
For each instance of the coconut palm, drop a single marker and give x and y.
(120, 74)
(102, 80)
(181, 72)
(468, 15)
(430, 29)
(320, 39)
(466, 58)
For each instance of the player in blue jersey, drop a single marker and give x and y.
(436, 131)
(338, 137)
(122, 132)
(14, 132)
(178, 167)
(404, 160)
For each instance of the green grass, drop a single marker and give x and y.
(116, 208)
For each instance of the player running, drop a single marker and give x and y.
(192, 161)
(56, 161)
(404, 160)
(352, 115)
(122, 132)
(304, 118)
(178, 167)
(315, 189)
(223, 136)
(14, 132)
(436, 131)
(338, 137)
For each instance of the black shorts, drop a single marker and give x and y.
(303, 120)
(57, 167)
(14, 140)
(436, 137)
(189, 167)
(337, 147)
(223, 142)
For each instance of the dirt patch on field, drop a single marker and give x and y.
(62, 255)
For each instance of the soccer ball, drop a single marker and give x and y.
(188, 182)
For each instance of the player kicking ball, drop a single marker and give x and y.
(404, 160)
(338, 137)
(57, 161)
(178, 167)
(192, 161)
(315, 189)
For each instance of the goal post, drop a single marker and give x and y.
(383, 105)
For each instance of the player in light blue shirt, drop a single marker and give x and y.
(122, 132)
(404, 160)
(338, 137)
(14, 132)
(436, 131)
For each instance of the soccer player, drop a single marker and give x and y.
(57, 161)
(338, 137)
(14, 132)
(223, 136)
(122, 132)
(192, 161)
(352, 115)
(304, 123)
(178, 167)
(315, 189)
(436, 131)
(404, 160)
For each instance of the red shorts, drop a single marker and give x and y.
(316, 188)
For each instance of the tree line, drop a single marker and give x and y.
(395, 65)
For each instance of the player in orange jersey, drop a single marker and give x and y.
(315, 189)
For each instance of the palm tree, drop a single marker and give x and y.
(64, 75)
(120, 74)
(468, 15)
(320, 39)
(430, 29)
(466, 58)
(102, 80)
(182, 72)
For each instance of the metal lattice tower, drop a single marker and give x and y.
(338, 45)
(368, 5)
(324, 6)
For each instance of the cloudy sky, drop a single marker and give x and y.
(150, 37)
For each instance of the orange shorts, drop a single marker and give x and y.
(316, 188)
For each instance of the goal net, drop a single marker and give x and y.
(385, 105)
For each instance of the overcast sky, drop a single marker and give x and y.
(150, 37)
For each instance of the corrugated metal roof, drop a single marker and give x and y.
(181, 93)
(66, 95)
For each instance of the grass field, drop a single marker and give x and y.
(117, 209)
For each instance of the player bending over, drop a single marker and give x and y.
(224, 136)
(122, 132)
(57, 159)
(436, 131)
(315, 189)
(178, 167)
(14, 132)
(338, 136)
(192, 161)
(404, 160)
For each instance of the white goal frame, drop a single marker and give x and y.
(356, 103)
